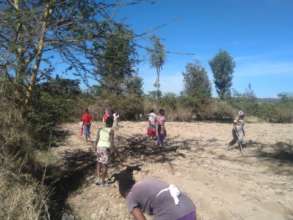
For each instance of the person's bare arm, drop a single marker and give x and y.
(137, 214)
(97, 139)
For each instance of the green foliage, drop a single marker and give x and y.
(157, 60)
(276, 111)
(154, 95)
(129, 107)
(134, 86)
(157, 53)
(222, 66)
(115, 63)
(119, 87)
(196, 82)
(35, 32)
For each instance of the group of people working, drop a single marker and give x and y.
(155, 197)
(157, 128)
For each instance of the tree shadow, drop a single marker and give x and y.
(278, 156)
(143, 149)
(67, 178)
(58, 137)
(280, 152)
(79, 166)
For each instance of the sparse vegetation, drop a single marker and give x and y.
(96, 51)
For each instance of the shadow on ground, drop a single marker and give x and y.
(278, 157)
(79, 165)
(279, 152)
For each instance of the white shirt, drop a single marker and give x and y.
(152, 118)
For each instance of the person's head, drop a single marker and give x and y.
(125, 180)
(152, 111)
(86, 110)
(162, 112)
(125, 185)
(108, 111)
(109, 122)
(241, 114)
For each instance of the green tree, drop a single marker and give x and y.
(157, 60)
(196, 82)
(222, 66)
(116, 62)
(134, 86)
(34, 33)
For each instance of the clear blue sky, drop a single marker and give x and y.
(257, 33)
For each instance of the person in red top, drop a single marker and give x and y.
(106, 115)
(86, 119)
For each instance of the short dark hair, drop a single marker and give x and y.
(125, 185)
(162, 111)
(86, 110)
(125, 179)
(152, 110)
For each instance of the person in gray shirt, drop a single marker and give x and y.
(154, 197)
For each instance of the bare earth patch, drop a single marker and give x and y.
(257, 185)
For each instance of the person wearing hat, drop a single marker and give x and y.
(238, 132)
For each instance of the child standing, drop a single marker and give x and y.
(160, 127)
(86, 119)
(104, 142)
(151, 131)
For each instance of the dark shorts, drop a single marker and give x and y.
(190, 216)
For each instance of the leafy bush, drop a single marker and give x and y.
(129, 107)
(276, 111)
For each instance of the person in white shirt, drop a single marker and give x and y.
(152, 117)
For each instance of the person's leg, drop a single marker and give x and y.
(234, 139)
(86, 132)
(98, 170)
(159, 141)
(104, 173)
(240, 142)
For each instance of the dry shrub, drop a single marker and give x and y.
(21, 196)
(218, 111)
(180, 114)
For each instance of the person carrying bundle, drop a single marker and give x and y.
(238, 132)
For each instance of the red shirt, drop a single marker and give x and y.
(106, 116)
(86, 118)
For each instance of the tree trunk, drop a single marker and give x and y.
(39, 49)
(20, 69)
(158, 87)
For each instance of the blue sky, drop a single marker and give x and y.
(257, 33)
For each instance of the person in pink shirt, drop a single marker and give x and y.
(160, 128)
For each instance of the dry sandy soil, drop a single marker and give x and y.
(257, 185)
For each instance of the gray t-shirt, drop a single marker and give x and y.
(143, 195)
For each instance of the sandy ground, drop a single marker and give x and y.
(257, 185)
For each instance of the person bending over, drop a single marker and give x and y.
(155, 197)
